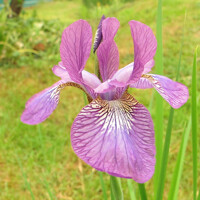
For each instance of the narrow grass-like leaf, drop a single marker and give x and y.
(116, 188)
(111, 194)
(131, 190)
(162, 175)
(194, 124)
(28, 186)
(103, 185)
(159, 100)
(142, 190)
(179, 164)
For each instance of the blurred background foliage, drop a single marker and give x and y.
(37, 162)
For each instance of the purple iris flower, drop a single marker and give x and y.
(114, 133)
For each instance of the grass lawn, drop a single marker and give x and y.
(37, 162)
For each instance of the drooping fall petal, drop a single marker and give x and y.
(116, 137)
(75, 48)
(42, 104)
(176, 94)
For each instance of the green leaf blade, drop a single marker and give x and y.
(116, 188)
(162, 175)
(179, 164)
(131, 190)
(194, 124)
(103, 185)
(142, 191)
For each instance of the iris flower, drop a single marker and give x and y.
(114, 133)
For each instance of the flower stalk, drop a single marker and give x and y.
(116, 188)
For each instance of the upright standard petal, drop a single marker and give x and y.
(145, 45)
(108, 57)
(110, 27)
(75, 48)
(176, 94)
(42, 104)
(116, 137)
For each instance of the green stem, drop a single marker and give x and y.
(111, 194)
(194, 125)
(103, 185)
(162, 174)
(131, 189)
(142, 191)
(116, 188)
(173, 192)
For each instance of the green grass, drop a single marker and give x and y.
(38, 161)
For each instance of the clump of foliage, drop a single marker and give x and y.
(24, 39)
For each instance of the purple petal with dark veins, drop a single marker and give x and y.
(116, 137)
(98, 35)
(145, 45)
(109, 28)
(42, 104)
(75, 48)
(108, 57)
(176, 94)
